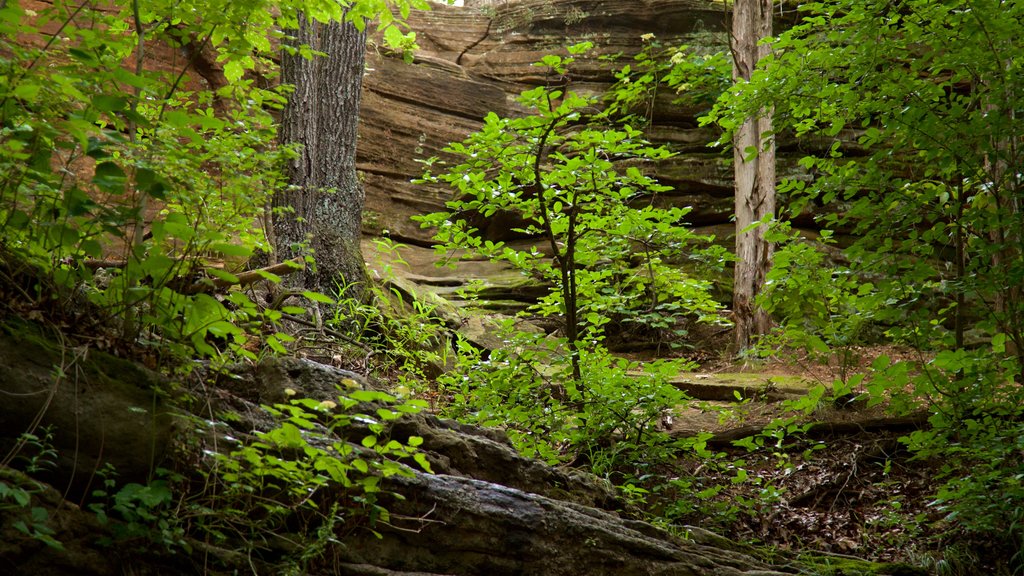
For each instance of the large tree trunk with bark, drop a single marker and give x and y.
(322, 210)
(754, 157)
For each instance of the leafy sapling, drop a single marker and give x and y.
(575, 179)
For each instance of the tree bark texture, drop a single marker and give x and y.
(322, 209)
(755, 176)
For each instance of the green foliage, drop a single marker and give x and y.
(143, 515)
(103, 160)
(615, 429)
(931, 189)
(131, 197)
(696, 77)
(309, 458)
(37, 526)
(949, 228)
(576, 180)
(17, 490)
(977, 429)
(407, 340)
(574, 174)
(90, 149)
(823, 309)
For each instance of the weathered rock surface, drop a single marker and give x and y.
(452, 448)
(476, 59)
(101, 410)
(474, 527)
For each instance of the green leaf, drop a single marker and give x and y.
(231, 249)
(18, 219)
(81, 55)
(77, 202)
(318, 297)
(105, 103)
(386, 414)
(27, 92)
(234, 70)
(999, 343)
(91, 248)
(269, 276)
(580, 48)
(370, 396)
(421, 459)
(155, 494)
(96, 148)
(110, 178)
(130, 78)
(274, 344)
(149, 182)
(175, 225)
(288, 435)
(222, 275)
(393, 37)
(816, 344)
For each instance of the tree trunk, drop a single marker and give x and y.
(754, 158)
(326, 198)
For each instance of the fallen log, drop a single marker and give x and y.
(821, 430)
(209, 283)
(245, 278)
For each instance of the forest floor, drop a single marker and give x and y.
(846, 486)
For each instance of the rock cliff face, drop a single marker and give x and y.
(476, 59)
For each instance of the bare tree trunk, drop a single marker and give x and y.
(754, 158)
(1005, 236)
(326, 196)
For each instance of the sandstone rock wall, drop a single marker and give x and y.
(476, 59)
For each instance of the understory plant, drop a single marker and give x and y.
(18, 491)
(577, 181)
(137, 198)
(573, 176)
(528, 388)
(321, 466)
(823, 309)
(975, 437)
(927, 183)
(404, 335)
(132, 195)
(129, 206)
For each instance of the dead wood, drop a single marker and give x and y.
(820, 430)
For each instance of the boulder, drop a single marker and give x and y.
(456, 525)
(99, 411)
